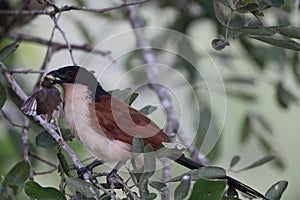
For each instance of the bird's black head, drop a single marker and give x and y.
(73, 74)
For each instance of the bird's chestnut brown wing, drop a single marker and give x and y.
(118, 121)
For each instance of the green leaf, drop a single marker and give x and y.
(246, 129)
(204, 172)
(239, 80)
(208, 189)
(149, 169)
(259, 162)
(147, 110)
(256, 30)
(276, 191)
(3, 95)
(289, 31)
(15, 180)
(296, 66)
(137, 144)
(241, 94)
(63, 162)
(86, 189)
(6, 51)
(284, 96)
(264, 143)
(125, 95)
(279, 42)
(234, 161)
(263, 122)
(231, 191)
(183, 188)
(45, 140)
(131, 98)
(247, 8)
(274, 3)
(34, 190)
(157, 185)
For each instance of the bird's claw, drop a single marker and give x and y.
(83, 170)
(111, 180)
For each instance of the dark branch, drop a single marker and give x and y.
(69, 8)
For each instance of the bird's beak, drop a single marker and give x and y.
(54, 77)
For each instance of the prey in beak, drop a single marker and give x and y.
(46, 102)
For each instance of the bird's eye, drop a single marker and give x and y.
(71, 74)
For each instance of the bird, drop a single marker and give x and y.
(46, 101)
(106, 126)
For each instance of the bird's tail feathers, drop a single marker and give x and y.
(191, 164)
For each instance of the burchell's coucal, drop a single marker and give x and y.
(106, 126)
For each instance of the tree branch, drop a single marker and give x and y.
(56, 45)
(69, 8)
(55, 19)
(152, 74)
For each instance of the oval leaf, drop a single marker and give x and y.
(45, 140)
(34, 190)
(257, 30)
(125, 95)
(3, 95)
(246, 129)
(276, 191)
(283, 43)
(204, 172)
(160, 186)
(247, 8)
(84, 188)
(15, 180)
(137, 144)
(63, 162)
(234, 161)
(147, 110)
(259, 162)
(208, 189)
(290, 31)
(6, 51)
(183, 188)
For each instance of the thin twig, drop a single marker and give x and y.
(9, 120)
(45, 172)
(25, 71)
(42, 160)
(56, 46)
(25, 145)
(69, 8)
(47, 58)
(127, 189)
(63, 34)
(109, 193)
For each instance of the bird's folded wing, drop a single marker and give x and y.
(118, 121)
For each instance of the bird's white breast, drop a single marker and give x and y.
(77, 116)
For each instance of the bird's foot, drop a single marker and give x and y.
(113, 180)
(82, 171)
(88, 169)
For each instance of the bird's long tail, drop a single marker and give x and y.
(191, 164)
